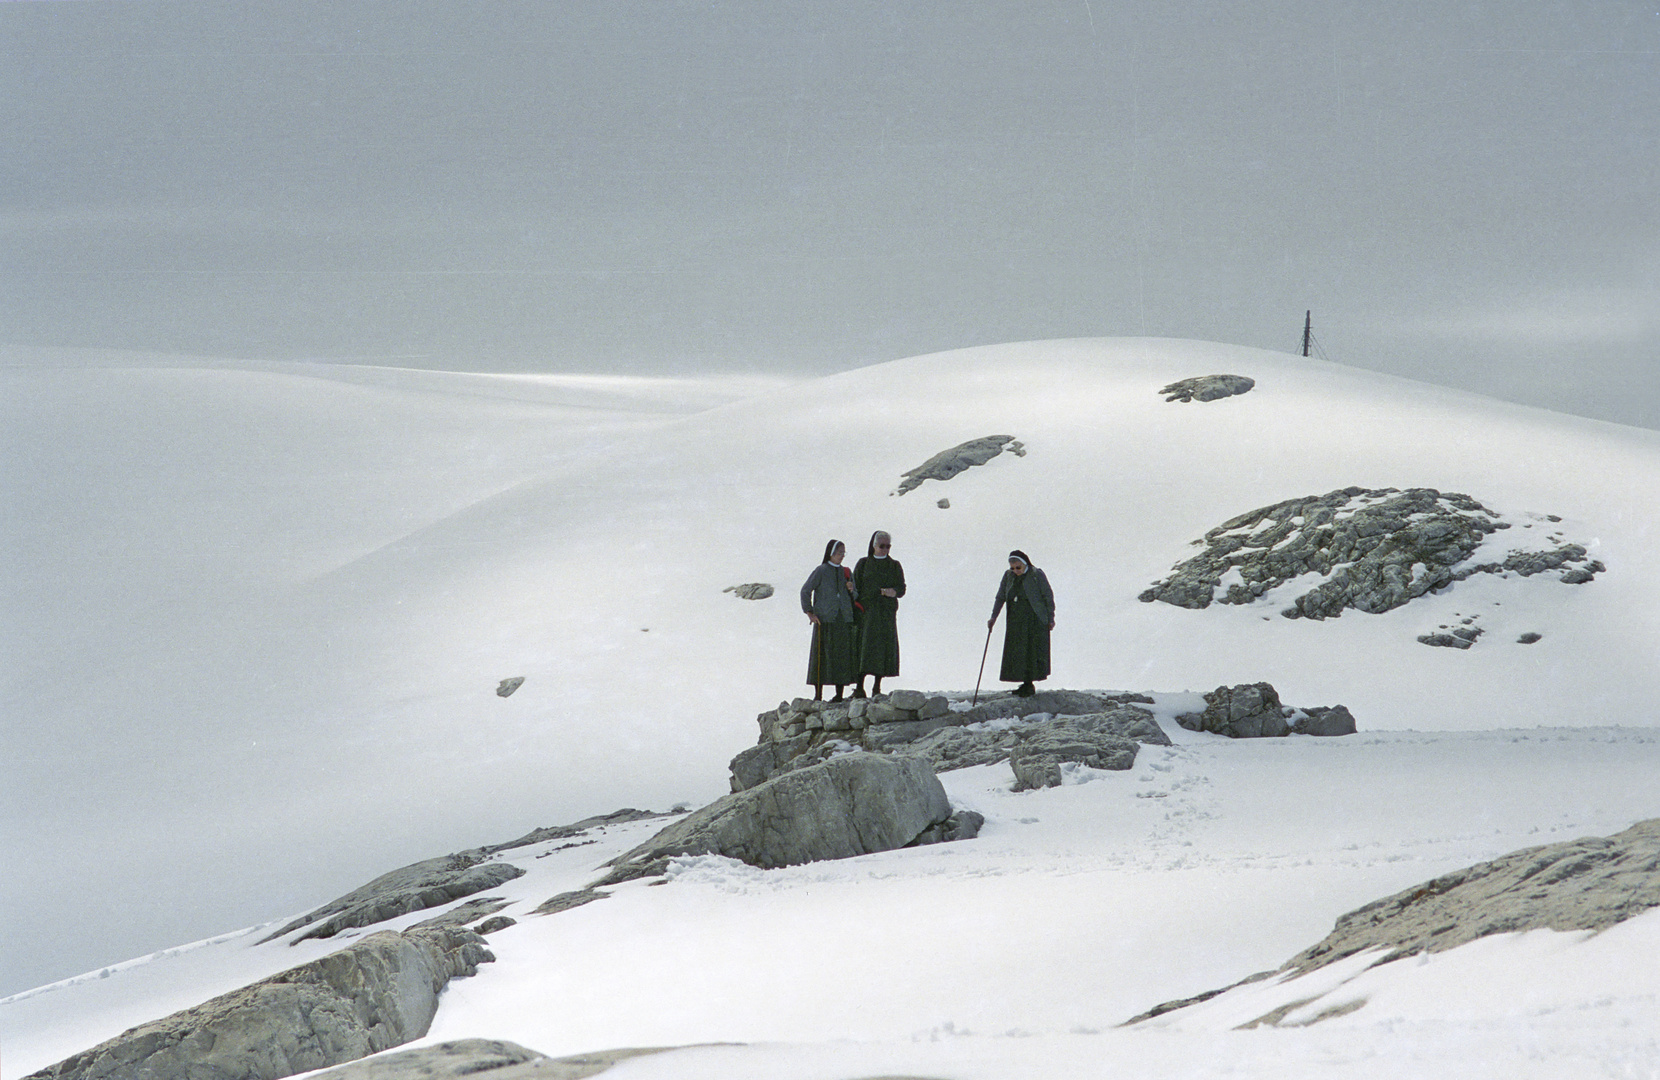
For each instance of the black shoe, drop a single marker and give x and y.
(1026, 689)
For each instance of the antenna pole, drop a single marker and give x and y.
(1308, 330)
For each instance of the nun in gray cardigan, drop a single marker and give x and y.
(1025, 589)
(827, 599)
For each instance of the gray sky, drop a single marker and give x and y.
(1463, 192)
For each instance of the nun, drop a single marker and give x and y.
(827, 599)
(880, 581)
(1025, 589)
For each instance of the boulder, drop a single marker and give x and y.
(1246, 711)
(936, 706)
(852, 804)
(379, 993)
(507, 686)
(754, 590)
(1207, 388)
(1324, 720)
(907, 700)
(948, 463)
(1037, 760)
(765, 760)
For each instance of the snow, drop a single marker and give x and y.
(264, 610)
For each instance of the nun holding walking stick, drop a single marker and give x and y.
(827, 599)
(1031, 603)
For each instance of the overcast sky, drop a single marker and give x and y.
(1464, 192)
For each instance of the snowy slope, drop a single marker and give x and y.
(338, 566)
(1022, 950)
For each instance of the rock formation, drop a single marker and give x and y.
(948, 463)
(1101, 731)
(1375, 549)
(1586, 884)
(376, 994)
(435, 882)
(1254, 711)
(483, 1059)
(851, 804)
(755, 590)
(1207, 388)
(426, 884)
(507, 686)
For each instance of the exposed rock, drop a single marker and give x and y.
(463, 914)
(948, 463)
(1587, 884)
(911, 700)
(1105, 740)
(444, 1061)
(491, 925)
(1529, 638)
(1324, 720)
(852, 804)
(1376, 550)
(435, 882)
(1037, 760)
(565, 901)
(509, 685)
(376, 994)
(485, 1059)
(1254, 710)
(949, 739)
(1446, 641)
(577, 828)
(1207, 388)
(962, 825)
(426, 884)
(755, 590)
(944, 504)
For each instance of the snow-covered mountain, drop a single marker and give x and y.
(267, 609)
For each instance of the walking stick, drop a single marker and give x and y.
(977, 678)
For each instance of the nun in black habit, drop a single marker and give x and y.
(827, 599)
(1025, 589)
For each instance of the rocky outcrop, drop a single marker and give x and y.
(445, 1061)
(435, 882)
(1099, 730)
(1375, 549)
(1587, 884)
(852, 804)
(1207, 388)
(1254, 711)
(376, 994)
(507, 686)
(755, 590)
(484, 1059)
(426, 884)
(948, 463)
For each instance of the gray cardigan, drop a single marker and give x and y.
(1035, 584)
(825, 594)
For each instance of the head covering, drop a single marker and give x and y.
(1021, 555)
(871, 551)
(829, 550)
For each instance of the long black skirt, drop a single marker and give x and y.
(1025, 647)
(879, 642)
(834, 658)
